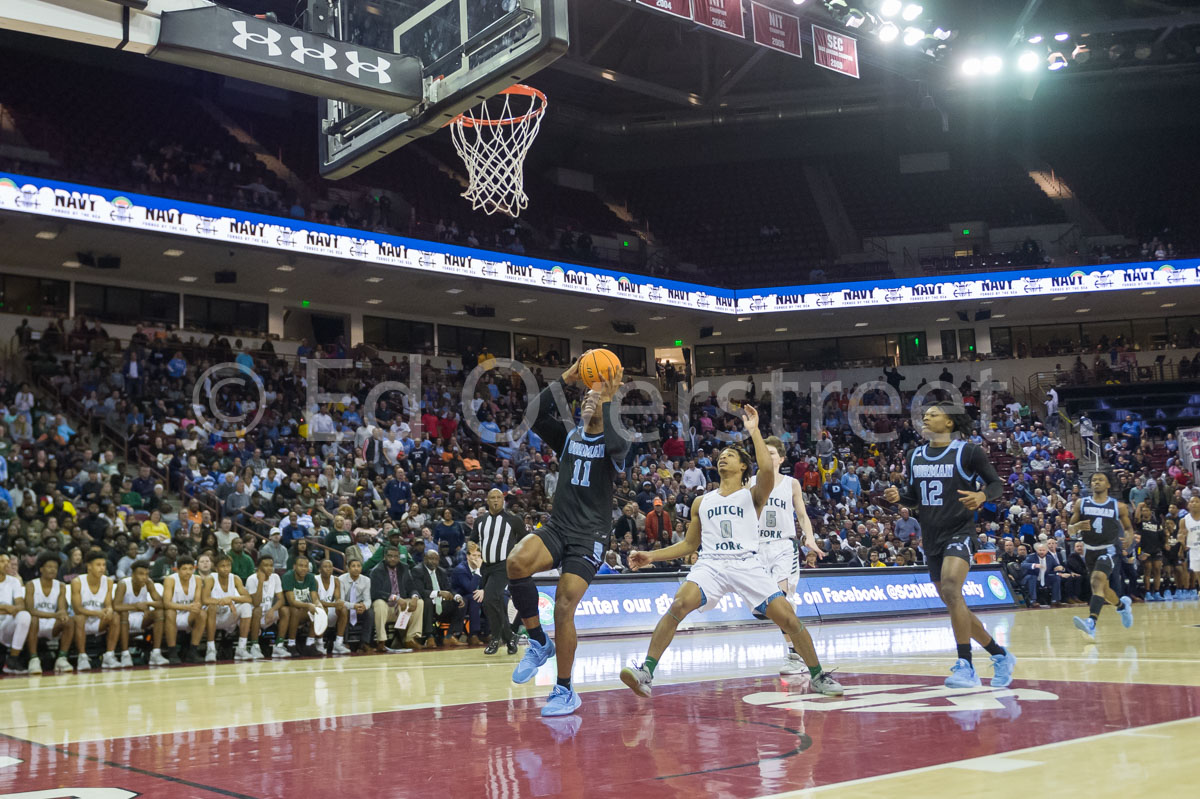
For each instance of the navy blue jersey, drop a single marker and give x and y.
(1106, 522)
(936, 475)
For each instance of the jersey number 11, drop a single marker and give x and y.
(583, 474)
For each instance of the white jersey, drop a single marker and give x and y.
(132, 598)
(323, 593)
(272, 587)
(93, 601)
(11, 588)
(728, 526)
(1193, 533)
(778, 518)
(46, 603)
(222, 593)
(185, 595)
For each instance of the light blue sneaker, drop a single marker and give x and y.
(1087, 626)
(1153, 597)
(1125, 611)
(1004, 665)
(562, 702)
(535, 655)
(962, 675)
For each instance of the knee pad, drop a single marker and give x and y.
(524, 596)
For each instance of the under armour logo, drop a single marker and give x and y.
(380, 67)
(272, 36)
(301, 52)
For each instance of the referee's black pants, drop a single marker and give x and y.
(493, 578)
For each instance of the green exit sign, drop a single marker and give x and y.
(678, 342)
(966, 231)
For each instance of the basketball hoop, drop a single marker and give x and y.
(493, 142)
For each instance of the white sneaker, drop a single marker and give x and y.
(109, 661)
(279, 651)
(82, 663)
(793, 664)
(340, 649)
(126, 660)
(255, 652)
(241, 653)
(824, 683)
(211, 655)
(35, 665)
(320, 647)
(157, 659)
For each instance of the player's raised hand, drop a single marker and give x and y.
(639, 560)
(750, 417)
(891, 495)
(610, 387)
(972, 499)
(572, 375)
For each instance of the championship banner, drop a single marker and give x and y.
(679, 8)
(835, 51)
(775, 29)
(1189, 447)
(79, 203)
(633, 603)
(721, 15)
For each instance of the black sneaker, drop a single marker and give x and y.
(172, 655)
(190, 655)
(492, 648)
(512, 646)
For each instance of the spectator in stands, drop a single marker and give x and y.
(443, 608)
(274, 549)
(465, 582)
(394, 598)
(1041, 571)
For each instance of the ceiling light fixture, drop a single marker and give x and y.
(46, 235)
(277, 290)
(861, 324)
(374, 280)
(913, 36)
(999, 315)
(657, 318)
(285, 268)
(581, 327)
(188, 279)
(971, 67)
(517, 319)
(71, 264)
(1056, 61)
(374, 302)
(888, 32)
(1168, 305)
(1082, 310)
(781, 330)
(460, 313)
(1035, 39)
(1057, 299)
(890, 8)
(454, 291)
(172, 253)
(1028, 61)
(1144, 293)
(1061, 37)
(912, 11)
(992, 65)
(527, 300)
(595, 310)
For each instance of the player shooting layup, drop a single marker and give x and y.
(590, 456)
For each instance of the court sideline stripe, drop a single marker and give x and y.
(1029, 750)
(125, 767)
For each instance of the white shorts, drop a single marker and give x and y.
(91, 625)
(136, 619)
(1194, 559)
(745, 577)
(781, 559)
(332, 615)
(8, 628)
(181, 620)
(45, 627)
(228, 617)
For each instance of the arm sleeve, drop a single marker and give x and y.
(549, 429)
(615, 444)
(979, 464)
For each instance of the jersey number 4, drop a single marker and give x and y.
(583, 474)
(931, 494)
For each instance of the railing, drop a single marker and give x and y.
(1091, 453)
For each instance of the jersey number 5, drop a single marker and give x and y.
(931, 494)
(583, 474)
(770, 519)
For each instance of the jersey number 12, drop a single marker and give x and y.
(931, 494)
(583, 474)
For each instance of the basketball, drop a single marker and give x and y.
(596, 365)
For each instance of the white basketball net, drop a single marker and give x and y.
(493, 142)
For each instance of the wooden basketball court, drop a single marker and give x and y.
(1115, 718)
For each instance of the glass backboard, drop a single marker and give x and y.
(469, 51)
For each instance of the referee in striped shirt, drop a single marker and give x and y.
(497, 533)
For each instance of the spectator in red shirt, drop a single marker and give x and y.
(447, 425)
(429, 424)
(658, 522)
(674, 447)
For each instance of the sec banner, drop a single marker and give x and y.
(775, 29)
(680, 8)
(721, 15)
(835, 51)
